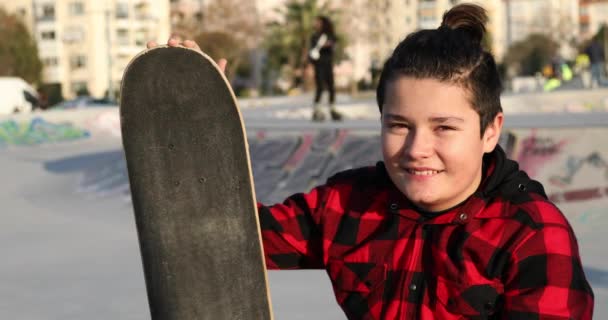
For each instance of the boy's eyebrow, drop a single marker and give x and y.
(392, 116)
(437, 119)
(443, 119)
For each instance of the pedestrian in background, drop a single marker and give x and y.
(595, 51)
(321, 55)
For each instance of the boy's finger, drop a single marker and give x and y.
(151, 44)
(222, 64)
(173, 42)
(192, 45)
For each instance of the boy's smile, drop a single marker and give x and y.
(431, 141)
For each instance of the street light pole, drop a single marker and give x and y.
(508, 7)
(109, 44)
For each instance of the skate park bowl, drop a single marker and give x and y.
(68, 231)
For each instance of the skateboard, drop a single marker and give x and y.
(191, 187)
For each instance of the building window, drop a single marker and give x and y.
(79, 88)
(76, 8)
(141, 37)
(50, 61)
(141, 10)
(78, 62)
(47, 35)
(122, 35)
(46, 12)
(122, 10)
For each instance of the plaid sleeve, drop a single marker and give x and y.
(546, 280)
(291, 231)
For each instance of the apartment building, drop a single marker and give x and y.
(85, 45)
(593, 14)
(430, 14)
(558, 19)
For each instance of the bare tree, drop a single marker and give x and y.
(227, 29)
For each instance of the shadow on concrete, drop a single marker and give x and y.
(597, 278)
(103, 173)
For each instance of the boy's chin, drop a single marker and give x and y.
(426, 205)
(423, 200)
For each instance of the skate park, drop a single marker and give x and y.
(69, 234)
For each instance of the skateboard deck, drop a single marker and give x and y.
(191, 186)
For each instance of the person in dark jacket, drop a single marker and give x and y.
(595, 52)
(446, 226)
(321, 55)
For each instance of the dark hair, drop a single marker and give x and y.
(452, 53)
(326, 26)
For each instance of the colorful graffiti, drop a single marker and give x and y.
(575, 163)
(537, 151)
(584, 194)
(37, 131)
(570, 163)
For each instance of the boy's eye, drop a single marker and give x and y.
(396, 125)
(445, 128)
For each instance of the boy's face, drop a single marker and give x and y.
(430, 141)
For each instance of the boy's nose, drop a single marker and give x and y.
(418, 145)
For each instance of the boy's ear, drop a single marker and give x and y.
(492, 133)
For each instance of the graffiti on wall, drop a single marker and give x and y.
(37, 131)
(568, 162)
(575, 163)
(537, 150)
(573, 166)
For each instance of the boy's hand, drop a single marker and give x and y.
(174, 42)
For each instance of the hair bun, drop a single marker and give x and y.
(469, 18)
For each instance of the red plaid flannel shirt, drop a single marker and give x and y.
(505, 253)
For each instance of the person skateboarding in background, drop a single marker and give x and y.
(446, 227)
(321, 55)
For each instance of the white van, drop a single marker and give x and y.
(16, 96)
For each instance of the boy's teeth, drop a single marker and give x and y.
(424, 172)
